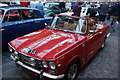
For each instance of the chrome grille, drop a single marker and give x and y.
(27, 59)
(24, 58)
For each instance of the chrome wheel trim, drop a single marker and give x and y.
(103, 45)
(72, 72)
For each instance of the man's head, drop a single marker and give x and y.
(79, 3)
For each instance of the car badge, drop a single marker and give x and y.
(27, 50)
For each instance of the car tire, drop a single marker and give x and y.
(72, 71)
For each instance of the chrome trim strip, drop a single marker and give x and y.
(11, 46)
(29, 68)
(12, 57)
(53, 76)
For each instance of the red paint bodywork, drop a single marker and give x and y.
(61, 47)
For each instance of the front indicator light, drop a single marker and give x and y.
(52, 65)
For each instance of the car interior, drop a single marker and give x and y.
(66, 23)
(12, 15)
(92, 26)
(70, 23)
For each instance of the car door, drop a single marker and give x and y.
(93, 43)
(32, 20)
(11, 26)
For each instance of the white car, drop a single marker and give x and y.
(83, 12)
(67, 13)
(1, 4)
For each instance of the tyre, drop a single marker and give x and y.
(72, 71)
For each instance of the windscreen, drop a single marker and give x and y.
(68, 23)
(1, 14)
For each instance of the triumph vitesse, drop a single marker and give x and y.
(62, 48)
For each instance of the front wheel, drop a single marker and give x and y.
(72, 71)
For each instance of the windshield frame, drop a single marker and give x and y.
(2, 15)
(78, 32)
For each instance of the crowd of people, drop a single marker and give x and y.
(106, 10)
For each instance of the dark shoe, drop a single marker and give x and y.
(113, 30)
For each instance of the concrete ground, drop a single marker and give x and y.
(103, 65)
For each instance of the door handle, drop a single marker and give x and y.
(100, 32)
(2, 29)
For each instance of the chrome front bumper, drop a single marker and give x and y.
(37, 71)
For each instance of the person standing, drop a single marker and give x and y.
(62, 5)
(92, 11)
(68, 6)
(25, 3)
(103, 11)
(32, 4)
(40, 7)
(115, 14)
(77, 9)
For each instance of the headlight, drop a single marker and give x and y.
(10, 49)
(16, 54)
(44, 64)
(52, 65)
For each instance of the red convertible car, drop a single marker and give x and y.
(61, 49)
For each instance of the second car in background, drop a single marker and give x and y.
(18, 21)
(53, 8)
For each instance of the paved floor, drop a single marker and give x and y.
(103, 65)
